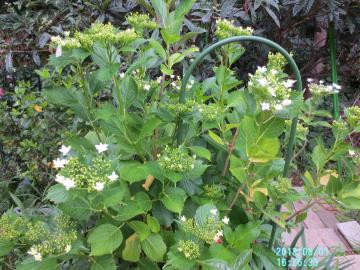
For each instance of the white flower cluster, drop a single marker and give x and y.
(273, 93)
(69, 183)
(34, 252)
(322, 89)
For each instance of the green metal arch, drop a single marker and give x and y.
(294, 67)
(289, 149)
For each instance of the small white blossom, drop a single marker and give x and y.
(263, 81)
(60, 179)
(147, 87)
(66, 33)
(113, 177)
(67, 248)
(262, 69)
(192, 166)
(225, 220)
(173, 84)
(192, 81)
(102, 147)
(274, 71)
(309, 80)
(58, 51)
(59, 163)
(219, 233)
(286, 102)
(213, 211)
(159, 79)
(68, 183)
(38, 257)
(194, 156)
(289, 83)
(172, 76)
(278, 107)
(65, 150)
(99, 186)
(336, 86)
(183, 218)
(122, 75)
(352, 153)
(272, 91)
(265, 106)
(321, 81)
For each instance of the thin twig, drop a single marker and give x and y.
(309, 205)
(231, 148)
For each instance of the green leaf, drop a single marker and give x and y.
(165, 70)
(174, 199)
(80, 53)
(125, 95)
(139, 204)
(319, 156)
(78, 208)
(104, 57)
(153, 224)
(169, 37)
(242, 260)
(149, 126)
(183, 8)
(247, 135)
(154, 247)
(215, 137)
(237, 168)
(217, 264)
(201, 152)
(5, 247)
(132, 249)
(114, 194)
(45, 264)
(160, 9)
(103, 263)
(107, 73)
(57, 194)
(158, 48)
(243, 235)
(142, 230)
(104, 239)
(133, 172)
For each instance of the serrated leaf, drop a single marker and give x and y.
(154, 247)
(142, 230)
(174, 199)
(103, 263)
(57, 193)
(104, 239)
(153, 224)
(201, 152)
(132, 249)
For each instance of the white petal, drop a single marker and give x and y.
(58, 52)
(65, 149)
(101, 147)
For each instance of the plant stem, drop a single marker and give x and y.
(231, 148)
(309, 205)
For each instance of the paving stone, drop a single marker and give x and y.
(327, 218)
(354, 259)
(351, 232)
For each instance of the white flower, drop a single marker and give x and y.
(225, 220)
(289, 83)
(122, 75)
(219, 233)
(194, 156)
(278, 107)
(262, 69)
(34, 252)
(38, 257)
(321, 81)
(67, 248)
(183, 218)
(213, 211)
(352, 153)
(309, 80)
(172, 76)
(274, 71)
(60, 179)
(173, 84)
(68, 183)
(265, 106)
(59, 163)
(159, 79)
(286, 102)
(272, 91)
(58, 51)
(66, 33)
(65, 149)
(263, 81)
(113, 177)
(147, 87)
(102, 147)
(192, 81)
(192, 166)
(99, 186)
(336, 86)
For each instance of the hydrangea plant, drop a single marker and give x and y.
(140, 200)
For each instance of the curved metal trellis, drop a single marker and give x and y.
(289, 149)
